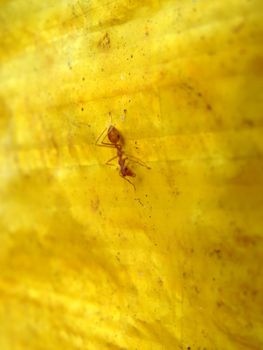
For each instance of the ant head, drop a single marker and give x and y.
(113, 135)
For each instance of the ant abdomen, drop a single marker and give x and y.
(127, 172)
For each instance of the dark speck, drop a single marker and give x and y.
(208, 106)
(82, 109)
(248, 122)
(83, 78)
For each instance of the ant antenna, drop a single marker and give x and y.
(76, 124)
(111, 123)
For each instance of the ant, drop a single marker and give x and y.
(117, 141)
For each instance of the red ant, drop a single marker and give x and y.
(117, 141)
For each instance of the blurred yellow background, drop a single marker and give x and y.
(88, 263)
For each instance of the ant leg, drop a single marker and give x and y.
(130, 183)
(78, 124)
(124, 178)
(102, 143)
(108, 161)
(97, 141)
(137, 160)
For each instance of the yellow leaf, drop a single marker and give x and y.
(86, 261)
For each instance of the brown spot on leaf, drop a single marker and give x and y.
(94, 204)
(216, 252)
(105, 42)
(246, 240)
(248, 123)
(238, 27)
